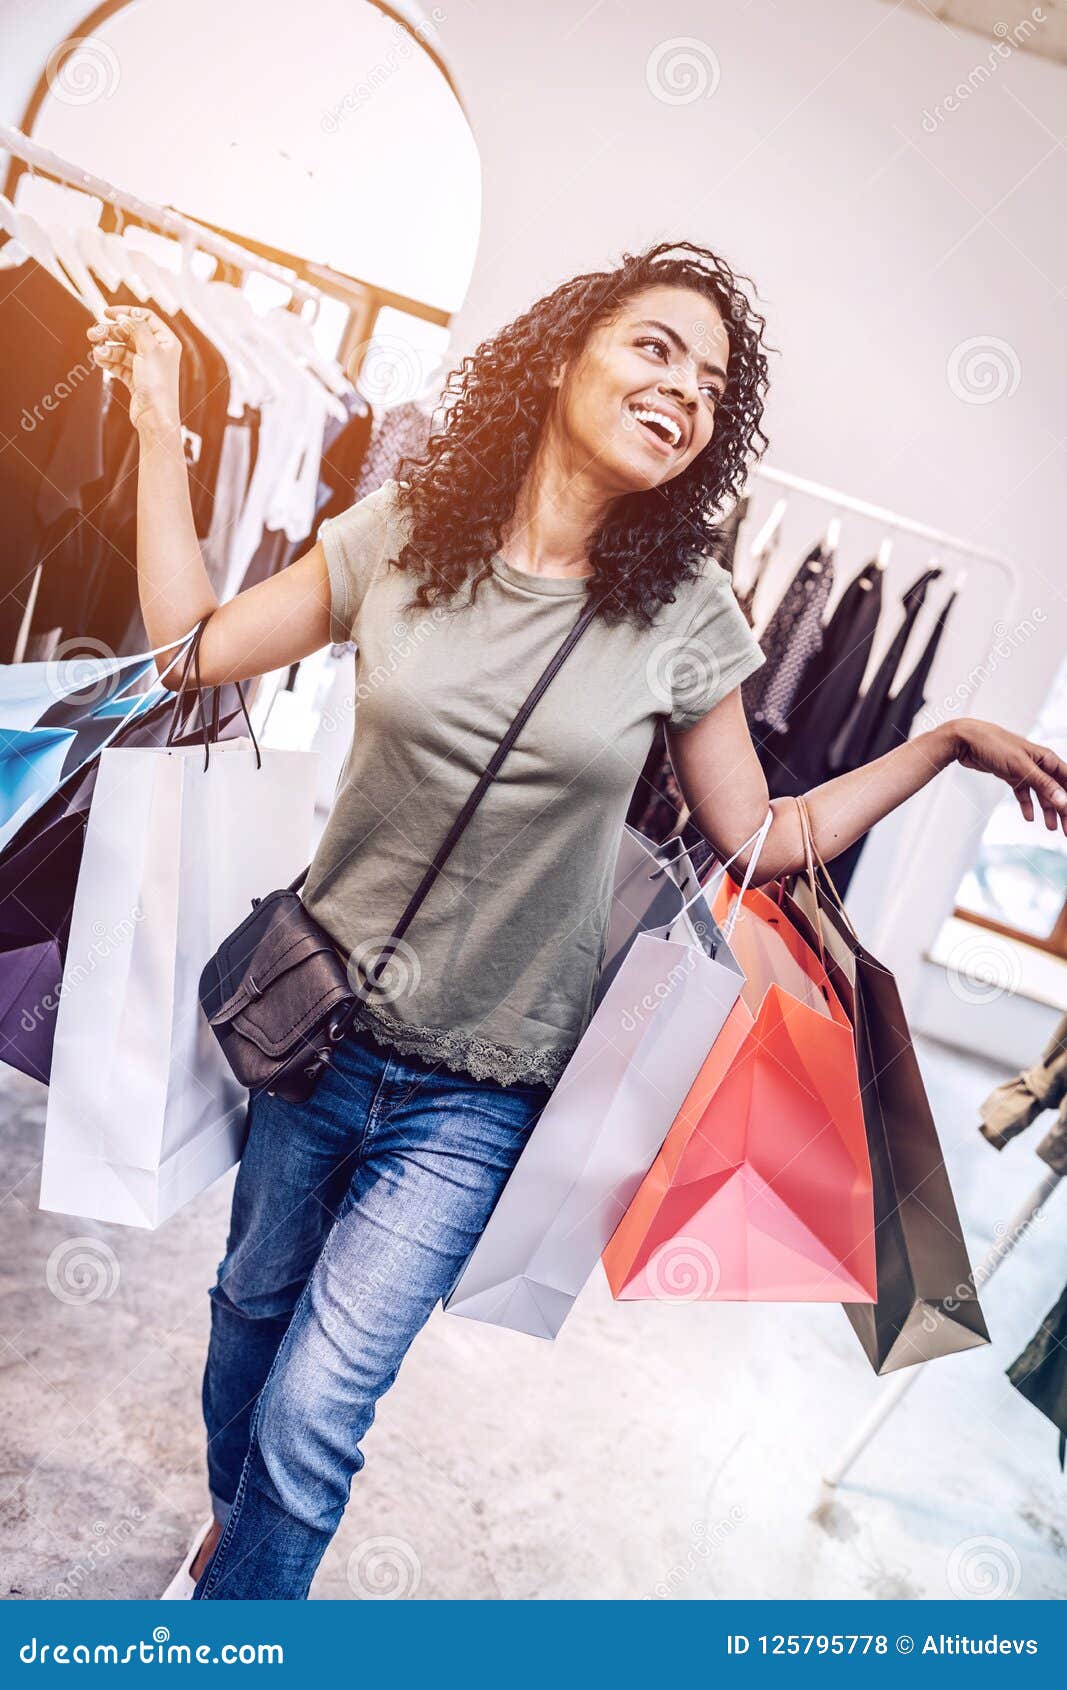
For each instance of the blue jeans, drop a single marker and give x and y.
(353, 1213)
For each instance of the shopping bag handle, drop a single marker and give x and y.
(813, 861)
(146, 699)
(193, 659)
(757, 840)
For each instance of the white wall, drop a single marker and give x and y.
(878, 247)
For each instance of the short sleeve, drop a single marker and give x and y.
(717, 651)
(358, 544)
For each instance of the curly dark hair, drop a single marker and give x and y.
(460, 492)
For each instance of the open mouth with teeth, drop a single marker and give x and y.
(659, 424)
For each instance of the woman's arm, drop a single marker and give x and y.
(272, 624)
(722, 782)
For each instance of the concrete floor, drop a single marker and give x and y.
(653, 1451)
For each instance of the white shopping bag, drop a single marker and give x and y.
(603, 1125)
(143, 1111)
(650, 881)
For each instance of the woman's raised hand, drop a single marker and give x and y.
(1034, 772)
(137, 346)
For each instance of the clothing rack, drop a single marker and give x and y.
(44, 162)
(894, 1394)
(896, 523)
(893, 913)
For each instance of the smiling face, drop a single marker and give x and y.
(639, 404)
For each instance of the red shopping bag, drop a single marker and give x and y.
(762, 1190)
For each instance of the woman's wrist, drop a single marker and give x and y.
(160, 431)
(942, 744)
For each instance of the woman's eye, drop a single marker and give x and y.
(711, 393)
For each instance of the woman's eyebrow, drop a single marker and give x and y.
(679, 344)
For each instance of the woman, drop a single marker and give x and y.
(587, 447)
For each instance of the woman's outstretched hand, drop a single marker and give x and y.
(1034, 772)
(137, 346)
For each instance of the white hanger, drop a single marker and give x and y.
(92, 243)
(885, 551)
(122, 254)
(34, 240)
(296, 337)
(767, 537)
(832, 537)
(236, 321)
(67, 251)
(158, 281)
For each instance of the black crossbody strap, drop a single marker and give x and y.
(484, 781)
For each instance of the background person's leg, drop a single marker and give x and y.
(431, 1171)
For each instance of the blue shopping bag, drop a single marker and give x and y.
(51, 693)
(31, 767)
(56, 717)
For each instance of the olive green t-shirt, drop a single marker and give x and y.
(496, 974)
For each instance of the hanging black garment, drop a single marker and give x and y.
(1040, 1373)
(849, 747)
(342, 459)
(903, 707)
(894, 728)
(274, 552)
(798, 759)
(656, 802)
(74, 552)
(88, 585)
(204, 394)
(50, 425)
(790, 640)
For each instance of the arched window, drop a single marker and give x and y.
(327, 135)
(1018, 885)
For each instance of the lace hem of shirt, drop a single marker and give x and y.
(465, 1053)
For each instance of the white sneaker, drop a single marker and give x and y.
(182, 1585)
